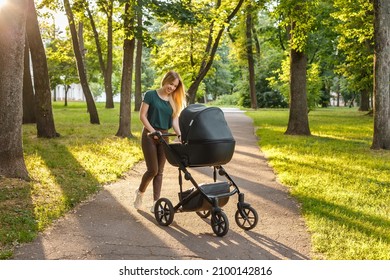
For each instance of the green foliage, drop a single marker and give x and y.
(355, 42)
(280, 82)
(267, 56)
(297, 16)
(227, 100)
(314, 85)
(61, 63)
(336, 35)
(183, 47)
(271, 99)
(179, 12)
(342, 185)
(64, 170)
(183, 52)
(220, 80)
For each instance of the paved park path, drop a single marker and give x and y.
(107, 227)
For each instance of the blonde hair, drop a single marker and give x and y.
(178, 98)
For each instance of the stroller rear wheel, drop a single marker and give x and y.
(219, 223)
(203, 214)
(164, 211)
(247, 218)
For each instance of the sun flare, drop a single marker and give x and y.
(2, 3)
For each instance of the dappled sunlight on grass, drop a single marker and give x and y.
(47, 197)
(65, 170)
(343, 185)
(97, 158)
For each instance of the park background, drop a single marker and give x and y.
(303, 70)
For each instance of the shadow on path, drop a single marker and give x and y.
(108, 227)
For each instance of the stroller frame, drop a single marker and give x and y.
(246, 216)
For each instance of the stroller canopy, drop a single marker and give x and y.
(201, 124)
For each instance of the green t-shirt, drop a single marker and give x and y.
(159, 112)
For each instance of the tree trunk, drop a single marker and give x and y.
(381, 138)
(138, 60)
(210, 51)
(43, 106)
(105, 68)
(298, 123)
(338, 99)
(364, 100)
(108, 74)
(249, 52)
(138, 80)
(81, 42)
(55, 94)
(93, 114)
(66, 95)
(28, 90)
(12, 40)
(124, 129)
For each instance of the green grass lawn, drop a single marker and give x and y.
(343, 185)
(64, 170)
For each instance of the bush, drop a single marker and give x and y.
(227, 99)
(268, 99)
(271, 99)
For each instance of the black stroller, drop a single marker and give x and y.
(206, 141)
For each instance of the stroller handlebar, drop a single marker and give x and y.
(159, 134)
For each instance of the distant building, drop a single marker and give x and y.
(333, 100)
(75, 93)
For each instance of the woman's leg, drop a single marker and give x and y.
(157, 180)
(149, 148)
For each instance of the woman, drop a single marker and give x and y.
(159, 112)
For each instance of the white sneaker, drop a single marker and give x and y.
(138, 199)
(152, 208)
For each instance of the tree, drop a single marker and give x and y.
(105, 65)
(62, 64)
(43, 107)
(28, 90)
(12, 38)
(298, 121)
(298, 20)
(124, 129)
(249, 52)
(215, 33)
(93, 114)
(356, 46)
(195, 32)
(138, 58)
(382, 75)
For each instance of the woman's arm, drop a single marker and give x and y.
(176, 127)
(143, 115)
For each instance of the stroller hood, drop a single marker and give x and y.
(201, 124)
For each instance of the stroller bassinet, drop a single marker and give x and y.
(207, 139)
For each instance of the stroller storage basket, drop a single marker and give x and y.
(197, 202)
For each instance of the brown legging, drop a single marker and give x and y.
(155, 160)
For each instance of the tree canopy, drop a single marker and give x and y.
(251, 53)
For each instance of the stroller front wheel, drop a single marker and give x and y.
(247, 218)
(164, 212)
(219, 223)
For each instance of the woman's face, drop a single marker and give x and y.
(171, 86)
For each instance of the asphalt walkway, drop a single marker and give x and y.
(107, 227)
